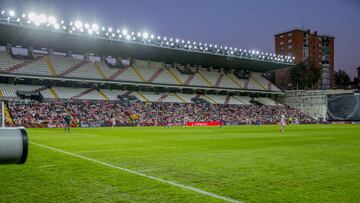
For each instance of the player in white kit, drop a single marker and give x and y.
(113, 122)
(282, 123)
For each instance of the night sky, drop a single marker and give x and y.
(249, 24)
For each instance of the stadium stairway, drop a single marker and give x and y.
(102, 93)
(50, 66)
(218, 80)
(180, 98)
(210, 99)
(258, 83)
(83, 93)
(135, 70)
(21, 65)
(234, 80)
(1, 93)
(100, 71)
(71, 69)
(177, 79)
(227, 99)
(162, 98)
(155, 75)
(189, 79)
(53, 93)
(142, 96)
(240, 100)
(202, 76)
(246, 85)
(117, 73)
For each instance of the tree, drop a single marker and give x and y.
(342, 79)
(305, 75)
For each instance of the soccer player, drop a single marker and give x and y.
(67, 120)
(113, 122)
(282, 123)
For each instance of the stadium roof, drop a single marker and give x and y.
(44, 32)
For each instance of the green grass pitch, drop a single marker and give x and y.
(307, 163)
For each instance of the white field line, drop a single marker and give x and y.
(131, 149)
(200, 191)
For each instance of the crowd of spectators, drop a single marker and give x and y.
(137, 113)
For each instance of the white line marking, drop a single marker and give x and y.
(131, 149)
(200, 191)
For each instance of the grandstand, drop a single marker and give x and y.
(128, 71)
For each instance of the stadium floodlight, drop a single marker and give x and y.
(177, 40)
(124, 32)
(42, 18)
(56, 26)
(188, 42)
(293, 57)
(158, 37)
(86, 25)
(145, 35)
(210, 45)
(182, 41)
(226, 48)
(205, 44)
(90, 31)
(253, 51)
(235, 49)
(73, 28)
(11, 13)
(139, 34)
(2, 12)
(215, 46)
(120, 36)
(81, 30)
(152, 36)
(23, 15)
(110, 29)
(132, 33)
(165, 38)
(257, 52)
(113, 35)
(62, 22)
(52, 20)
(18, 20)
(103, 28)
(64, 27)
(128, 37)
(194, 43)
(118, 31)
(32, 17)
(171, 39)
(78, 24)
(94, 27)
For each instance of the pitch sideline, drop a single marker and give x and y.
(200, 191)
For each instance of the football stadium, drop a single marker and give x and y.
(95, 113)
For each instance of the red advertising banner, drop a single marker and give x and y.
(211, 123)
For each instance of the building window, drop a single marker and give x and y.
(290, 47)
(281, 36)
(281, 43)
(290, 40)
(282, 50)
(290, 34)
